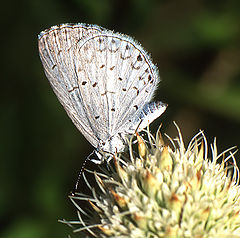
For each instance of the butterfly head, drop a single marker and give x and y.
(114, 144)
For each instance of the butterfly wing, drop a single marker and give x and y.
(57, 49)
(123, 77)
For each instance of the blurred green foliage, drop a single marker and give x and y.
(196, 47)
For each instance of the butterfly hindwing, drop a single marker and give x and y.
(115, 71)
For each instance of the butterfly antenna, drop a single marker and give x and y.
(81, 171)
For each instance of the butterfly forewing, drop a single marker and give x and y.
(57, 49)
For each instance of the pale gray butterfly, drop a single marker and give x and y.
(104, 80)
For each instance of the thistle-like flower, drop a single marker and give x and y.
(163, 191)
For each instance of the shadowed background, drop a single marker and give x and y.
(196, 46)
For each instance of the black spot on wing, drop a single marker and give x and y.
(136, 89)
(139, 58)
(53, 67)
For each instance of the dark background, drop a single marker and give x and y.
(196, 45)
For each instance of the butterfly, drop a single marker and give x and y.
(104, 80)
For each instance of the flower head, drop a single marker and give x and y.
(164, 191)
